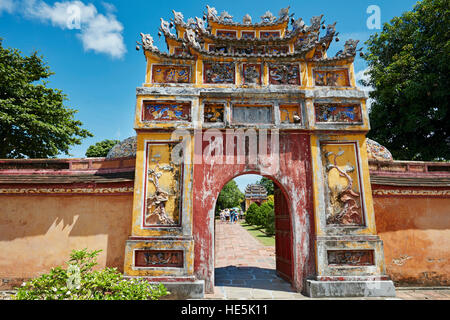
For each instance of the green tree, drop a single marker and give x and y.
(262, 214)
(409, 70)
(101, 149)
(229, 197)
(34, 122)
(268, 184)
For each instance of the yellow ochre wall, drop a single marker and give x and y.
(38, 232)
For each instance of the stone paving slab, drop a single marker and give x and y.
(245, 269)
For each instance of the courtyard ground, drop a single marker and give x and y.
(245, 269)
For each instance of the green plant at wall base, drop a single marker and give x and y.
(80, 282)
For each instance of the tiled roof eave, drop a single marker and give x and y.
(160, 54)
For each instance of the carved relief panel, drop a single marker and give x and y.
(217, 72)
(269, 34)
(343, 197)
(251, 74)
(277, 50)
(251, 114)
(166, 111)
(213, 112)
(247, 34)
(337, 113)
(290, 113)
(171, 74)
(226, 34)
(158, 258)
(331, 78)
(162, 188)
(284, 74)
(350, 257)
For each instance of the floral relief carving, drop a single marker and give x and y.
(344, 203)
(163, 194)
(216, 72)
(284, 74)
(252, 74)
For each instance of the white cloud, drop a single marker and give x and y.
(7, 6)
(101, 33)
(362, 75)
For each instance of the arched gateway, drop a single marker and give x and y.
(232, 98)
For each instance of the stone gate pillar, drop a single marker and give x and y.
(349, 254)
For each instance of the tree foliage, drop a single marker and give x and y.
(262, 216)
(409, 71)
(34, 122)
(268, 184)
(229, 197)
(101, 149)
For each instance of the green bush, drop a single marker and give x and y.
(270, 226)
(263, 213)
(250, 215)
(80, 282)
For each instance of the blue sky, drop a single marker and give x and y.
(98, 67)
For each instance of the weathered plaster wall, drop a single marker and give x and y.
(416, 236)
(38, 232)
(293, 177)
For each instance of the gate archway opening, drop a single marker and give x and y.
(242, 260)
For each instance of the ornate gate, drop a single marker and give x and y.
(271, 83)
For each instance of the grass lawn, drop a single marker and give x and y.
(259, 235)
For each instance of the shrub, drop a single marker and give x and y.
(270, 226)
(80, 282)
(263, 214)
(250, 215)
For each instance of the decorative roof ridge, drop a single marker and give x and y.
(192, 43)
(349, 52)
(268, 19)
(252, 40)
(329, 36)
(147, 45)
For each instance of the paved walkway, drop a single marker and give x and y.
(245, 269)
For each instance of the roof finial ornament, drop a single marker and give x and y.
(190, 35)
(212, 13)
(284, 13)
(225, 17)
(147, 42)
(268, 17)
(298, 24)
(201, 25)
(349, 48)
(331, 30)
(247, 19)
(178, 17)
(165, 27)
(191, 23)
(316, 22)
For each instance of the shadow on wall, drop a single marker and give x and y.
(39, 232)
